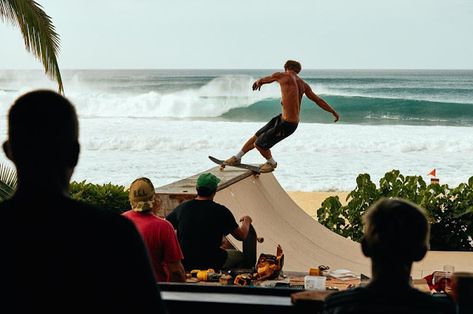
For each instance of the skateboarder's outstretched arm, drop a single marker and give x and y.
(320, 102)
(241, 232)
(267, 79)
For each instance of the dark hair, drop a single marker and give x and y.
(396, 229)
(205, 191)
(293, 65)
(43, 129)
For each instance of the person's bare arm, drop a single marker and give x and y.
(320, 102)
(176, 272)
(266, 80)
(241, 232)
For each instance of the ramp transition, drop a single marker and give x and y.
(279, 220)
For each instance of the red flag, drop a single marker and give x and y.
(433, 173)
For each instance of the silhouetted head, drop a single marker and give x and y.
(43, 135)
(395, 231)
(292, 65)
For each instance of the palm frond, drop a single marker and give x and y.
(38, 32)
(8, 182)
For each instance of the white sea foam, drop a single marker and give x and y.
(316, 157)
(211, 100)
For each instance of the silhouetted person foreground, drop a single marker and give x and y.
(59, 255)
(396, 234)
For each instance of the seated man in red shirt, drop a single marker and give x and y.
(158, 234)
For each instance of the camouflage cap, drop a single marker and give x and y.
(141, 195)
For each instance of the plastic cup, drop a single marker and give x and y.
(448, 269)
(314, 283)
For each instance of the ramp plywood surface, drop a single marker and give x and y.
(279, 220)
(187, 186)
(305, 242)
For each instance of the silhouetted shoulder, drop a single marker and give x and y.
(86, 257)
(364, 300)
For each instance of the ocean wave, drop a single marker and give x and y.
(195, 95)
(427, 94)
(231, 98)
(362, 110)
(213, 99)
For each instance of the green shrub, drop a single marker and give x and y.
(8, 182)
(449, 210)
(107, 196)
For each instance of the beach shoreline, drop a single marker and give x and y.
(311, 201)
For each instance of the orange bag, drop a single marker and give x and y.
(269, 266)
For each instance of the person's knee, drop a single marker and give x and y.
(234, 258)
(258, 147)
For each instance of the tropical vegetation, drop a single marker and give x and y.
(449, 210)
(38, 32)
(107, 196)
(8, 181)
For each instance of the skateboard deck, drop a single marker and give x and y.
(249, 248)
(242, 166)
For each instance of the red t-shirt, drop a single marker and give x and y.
(160, 239)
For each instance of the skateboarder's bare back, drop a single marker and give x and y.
(283, 125)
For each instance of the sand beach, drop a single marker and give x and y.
(311, 201)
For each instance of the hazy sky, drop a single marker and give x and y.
(116, 34)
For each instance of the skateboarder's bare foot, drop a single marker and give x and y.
(232, 161)
(268, 167)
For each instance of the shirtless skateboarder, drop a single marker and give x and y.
(284, 124)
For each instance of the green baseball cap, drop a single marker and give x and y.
(207, 180)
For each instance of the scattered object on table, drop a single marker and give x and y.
(269, 266)
(342, 274)
(438, 281)
(243, 280)
(340, 284)
(314, 283)
(192, 280)
(226, 279)
(205, 275)
(323, 267)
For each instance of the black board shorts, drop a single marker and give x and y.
(274, 131)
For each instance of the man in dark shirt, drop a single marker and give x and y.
(396, 234)
(201, 225)
(59, 255)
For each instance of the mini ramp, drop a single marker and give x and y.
(279, 220)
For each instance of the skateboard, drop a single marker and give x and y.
(249, 248)
(253, 168)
